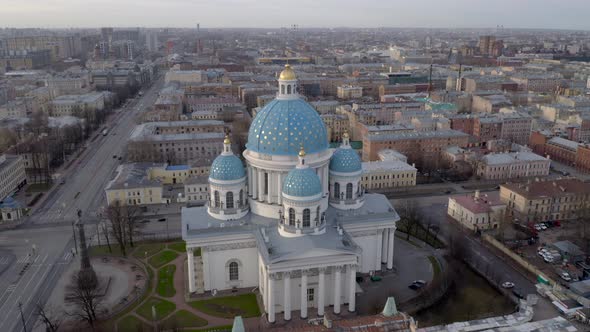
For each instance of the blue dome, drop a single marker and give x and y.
(227, 168)
(302, 182)
(345, 161)
(283, 126)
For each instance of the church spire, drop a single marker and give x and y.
(287, 84)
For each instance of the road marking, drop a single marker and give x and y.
(11, 288)
(67, 256)
(4, 260)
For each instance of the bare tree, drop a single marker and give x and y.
(116, 218)
(50, 318)
(105, 231)
(87, 297)
(409, 217)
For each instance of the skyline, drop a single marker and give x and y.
(525, 14)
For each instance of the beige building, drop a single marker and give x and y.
(387, 174)
(185, 77)
(336, 124)
(477, 212)
(512, 165)
(12, 175)
(73, 104)
(537, 201)
(349, 92)
(131, 186)
(196, 190)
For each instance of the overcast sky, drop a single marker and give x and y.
(562, 14)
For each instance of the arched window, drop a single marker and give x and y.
(336, 190)
(291, 217)
(229, 200)
(233, 271)
(306, 217)
(289, 89)
(241, 201)
(349, 191)
(216, 198)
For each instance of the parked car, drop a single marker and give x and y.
(565, 276)
(417, 284)
(537, 227)
(543, 226)
(162, 219)
(508, 285)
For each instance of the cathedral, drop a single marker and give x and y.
(295, 223)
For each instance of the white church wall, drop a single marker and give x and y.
(368, 259)
(218, 271)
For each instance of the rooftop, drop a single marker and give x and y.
(449, 133)
(133, 175)
(549, 188)
(483, 204)
(386, 166)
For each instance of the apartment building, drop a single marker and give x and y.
(12, 175)
(536, 201)
(512, 165)
(476, 211)
(384, 174)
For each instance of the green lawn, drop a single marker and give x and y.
(244, 305)
(162, 258)
(37, 187)
(104, 250)
(131, 323)
(177, 246)
(435, 266)
(165, 287)
(163, 308)
(150, 248)
(183, 319)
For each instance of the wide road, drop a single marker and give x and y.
(34, 256)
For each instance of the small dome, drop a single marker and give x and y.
(287, 74)
(302, 182)
(345, 161)
(227, 168)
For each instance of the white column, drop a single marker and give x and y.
(270, 188)
(271, 298)
(260, 177)
(303, 294)
(280, 188)
(326, 179)
(379, 251)
(384, 243)
(191, 270)
(249, 181)
(206, 276)
(254, 181)
(351, 287)
(321, 290)
(337, 288)
(287, 295)
(390, 249)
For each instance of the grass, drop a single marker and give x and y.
(104, 250)
(435, 266)
(150, 248)
(132, 323)
(183, 319)
(163, 308)
(38, 187)
(162, 258)
(178, 246)
(220, 328)
(244, 305)
(165, 287)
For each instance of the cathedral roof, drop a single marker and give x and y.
(302, 182)
(284, 125)
(227, 168)
(345, 160)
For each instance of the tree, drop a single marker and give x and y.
(123, 220)
(87, 297)
(409, 217)
(50, 318)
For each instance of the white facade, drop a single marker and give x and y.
(293, 239)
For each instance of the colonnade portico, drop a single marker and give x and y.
(386, 246)
(340, 272)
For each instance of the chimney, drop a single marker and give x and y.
(476, 196)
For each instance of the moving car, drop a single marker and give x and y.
(565, 276)
(162, 219)
(417, 284)
(508, 285)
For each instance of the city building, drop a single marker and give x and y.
(383, 174)
(349, 92)
(12, 175)
(132, 186)
(512, 165)
(420, 147)
(176, 142)
(477, 212)
(294, 221)
(77, 104)
(538, 200)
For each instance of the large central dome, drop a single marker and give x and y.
(283, 126)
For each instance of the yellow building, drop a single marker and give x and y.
(388, 174)
(537, 201)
